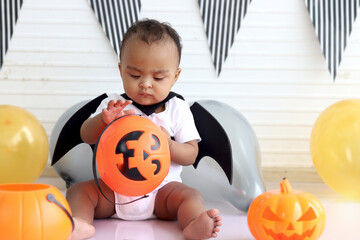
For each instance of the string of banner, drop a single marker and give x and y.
(332, 20)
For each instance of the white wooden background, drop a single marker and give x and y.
(275, 74)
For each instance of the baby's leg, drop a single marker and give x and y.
(177, 201)
(86, 203)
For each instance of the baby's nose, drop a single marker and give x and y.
(145, 83)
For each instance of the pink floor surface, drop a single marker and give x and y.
(234, 227)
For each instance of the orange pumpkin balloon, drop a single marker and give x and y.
(33, 211)
(132, 155)
(286, 214)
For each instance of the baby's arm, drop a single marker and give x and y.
(182, 153)
(92, 127)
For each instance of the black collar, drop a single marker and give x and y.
(150, 109)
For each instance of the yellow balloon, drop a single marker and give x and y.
(335, 147)
(24, 146)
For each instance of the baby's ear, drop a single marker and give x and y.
(177, 74)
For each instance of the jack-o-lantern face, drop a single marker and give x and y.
(132, 155)
(286, 215)
(285, 227)
(137, 161)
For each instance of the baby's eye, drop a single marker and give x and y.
(158, 78)
(134, 76)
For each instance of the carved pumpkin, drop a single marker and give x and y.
(286, 214)
(33, 211)
(132, 155)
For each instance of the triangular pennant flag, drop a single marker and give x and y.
(333, 21)
(222, 20)
(9, 12)
(115, 17)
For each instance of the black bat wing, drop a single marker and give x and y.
(69, 135)
(214, 141)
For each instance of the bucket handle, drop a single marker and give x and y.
(51, 198)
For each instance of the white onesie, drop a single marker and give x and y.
(178, 120)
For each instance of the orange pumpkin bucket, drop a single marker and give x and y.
(286, 214)
(132, 155)
(33, 211)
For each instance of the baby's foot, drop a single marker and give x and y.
(206, 225)
(82, 229)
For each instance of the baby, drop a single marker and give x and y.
(150, 55)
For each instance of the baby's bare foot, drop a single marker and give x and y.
(206, 225)
(82, 229)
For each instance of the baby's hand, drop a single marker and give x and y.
(167, 135)
(115, 109)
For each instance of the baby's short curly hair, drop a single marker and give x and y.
(149, 31)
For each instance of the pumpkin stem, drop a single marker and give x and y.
(285, 186)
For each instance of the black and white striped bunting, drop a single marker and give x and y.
(9, 12)
(115, 17)
(333, 21)
(222, 20)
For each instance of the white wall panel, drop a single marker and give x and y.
(275, 74)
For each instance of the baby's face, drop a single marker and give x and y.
(148, 72)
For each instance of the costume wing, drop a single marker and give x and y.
(228, 138)
(69, 136)
(214, 140)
